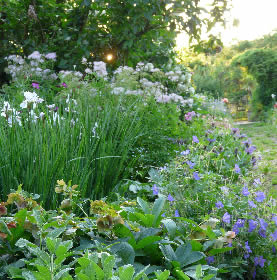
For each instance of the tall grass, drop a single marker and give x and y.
(36, 155)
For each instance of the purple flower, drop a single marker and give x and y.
(35, 85)
(252, 225)
(226, 218)
(196, 176)
(239, 224)
(177, 214)
(195, 139)
(252, 204)
(210, 260)
(259, 261)
(263, 224)
(163, 215)
(237, 169)
(274, 235)
(250, 150)
(262, 233)
(235, 130)
(245, 191)
(64, 85)
(211, 140)
(219, 205)
(155, 190)
(170, 198)
(185, 153)
(260, 196)
(274, 219)
(257, 182)
(247, 247)
(254, 274)
(247, 143)
(190, 164)
(273, 249)
(235, 229)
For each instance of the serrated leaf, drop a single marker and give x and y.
(221, 250)
(126, 272)
(181, 275)
(168, 252)
(55, 232)
(108, 264)
(162, 275)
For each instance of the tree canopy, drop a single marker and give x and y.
(131, 30)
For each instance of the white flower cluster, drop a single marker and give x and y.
(10, 114)
(148, 67)
(33, 65)
(180, 78)
(64, 74)
(99, 67)
(30, 98)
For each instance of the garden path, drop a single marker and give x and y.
(264, 137)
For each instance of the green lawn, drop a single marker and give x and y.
(264, 137)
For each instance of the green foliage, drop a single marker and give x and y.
(262, 65)
(130, 30)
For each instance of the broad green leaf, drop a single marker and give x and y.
(141, 274)
(125, 251)
(208, 277)
(55, 232)
(147, 241)
(28, 275)
(157, 208)
(61, 273)
(144, 205)
(51, 245)
(198, 271)
(170, 226)
(122, 231)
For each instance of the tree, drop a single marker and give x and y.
(129, 29)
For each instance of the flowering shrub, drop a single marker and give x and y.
(212, 178)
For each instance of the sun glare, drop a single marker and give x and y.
(255, 20)
(109, 57)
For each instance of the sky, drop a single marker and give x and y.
(256, 18)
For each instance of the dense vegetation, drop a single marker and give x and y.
(126, 172)
(245, 71)
(130, 30)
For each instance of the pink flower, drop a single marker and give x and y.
(225, 100)
(35, 85)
